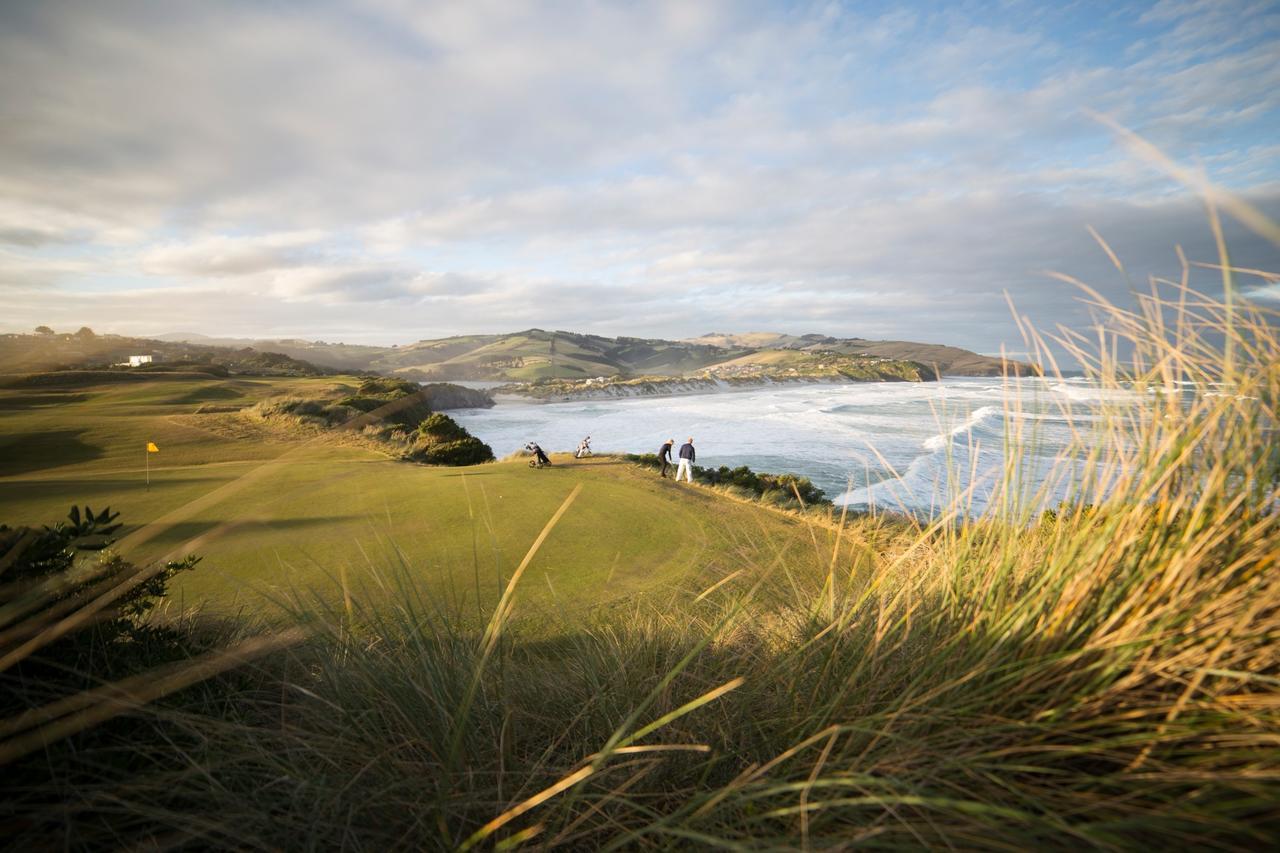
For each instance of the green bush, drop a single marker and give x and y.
(385, 387)
(442, 441)
(446, 395)
(121, 639)
(463, 451)
(363, 404)
(442, 428)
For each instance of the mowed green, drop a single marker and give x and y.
(272, 514)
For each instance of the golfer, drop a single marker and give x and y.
(687, 457)
(664, 455)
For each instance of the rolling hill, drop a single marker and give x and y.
(528, 355)
(951, 361)
(537, 354)
(38, 353)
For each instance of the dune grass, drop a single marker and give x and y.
(1102, 676)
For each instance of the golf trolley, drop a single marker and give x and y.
(540, 458)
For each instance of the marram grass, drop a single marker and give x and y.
(1101, 676)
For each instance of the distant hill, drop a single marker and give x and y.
(950, 361)
(350, 357)
(528, 355)
(537, 354)
(38, 353)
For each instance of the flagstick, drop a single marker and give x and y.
(147, 452)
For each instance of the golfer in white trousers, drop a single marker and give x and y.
(687, 456)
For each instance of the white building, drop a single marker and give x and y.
(139, 360)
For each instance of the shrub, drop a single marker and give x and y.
(314, 409)
(442, 428)
(772, 488)
(442, 441)
(446, 395)
(386, 387)
(363, 404)
(46, 560)
(463, 451)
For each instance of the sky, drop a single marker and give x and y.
(388, 171)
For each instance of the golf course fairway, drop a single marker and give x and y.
(273, 514)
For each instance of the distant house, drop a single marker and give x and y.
(139, 360)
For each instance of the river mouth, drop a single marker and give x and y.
(892, 445)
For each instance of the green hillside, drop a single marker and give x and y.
(524, 356)
(530, 355)
(84, 349)
(527, 355)
(272, 511)
(949, 360)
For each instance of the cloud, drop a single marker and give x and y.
(221, 255)
(662, 168)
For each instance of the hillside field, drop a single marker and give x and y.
(270, 512)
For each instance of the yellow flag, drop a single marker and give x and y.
(151, 447)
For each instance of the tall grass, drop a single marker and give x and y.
(1103, 676)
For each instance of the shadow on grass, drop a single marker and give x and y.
(89, 486)
(206, 395)
(185, 531)
(27, 452)
(17, 402)
(398, 689)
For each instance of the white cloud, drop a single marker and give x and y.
(220, 255)
(665, 168)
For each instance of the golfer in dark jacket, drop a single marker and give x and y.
(664, 454)
(687, 456)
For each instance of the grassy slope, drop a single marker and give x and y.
(269, 511)
(950, 360)
(577, 356)
(771, 357)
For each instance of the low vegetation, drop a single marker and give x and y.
(396, 414)
(118, 640)
(441, 441)
(778, 489)
(794, 365)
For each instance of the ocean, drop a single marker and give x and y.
(894, 445)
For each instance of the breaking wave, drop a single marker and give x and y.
(875, 443)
